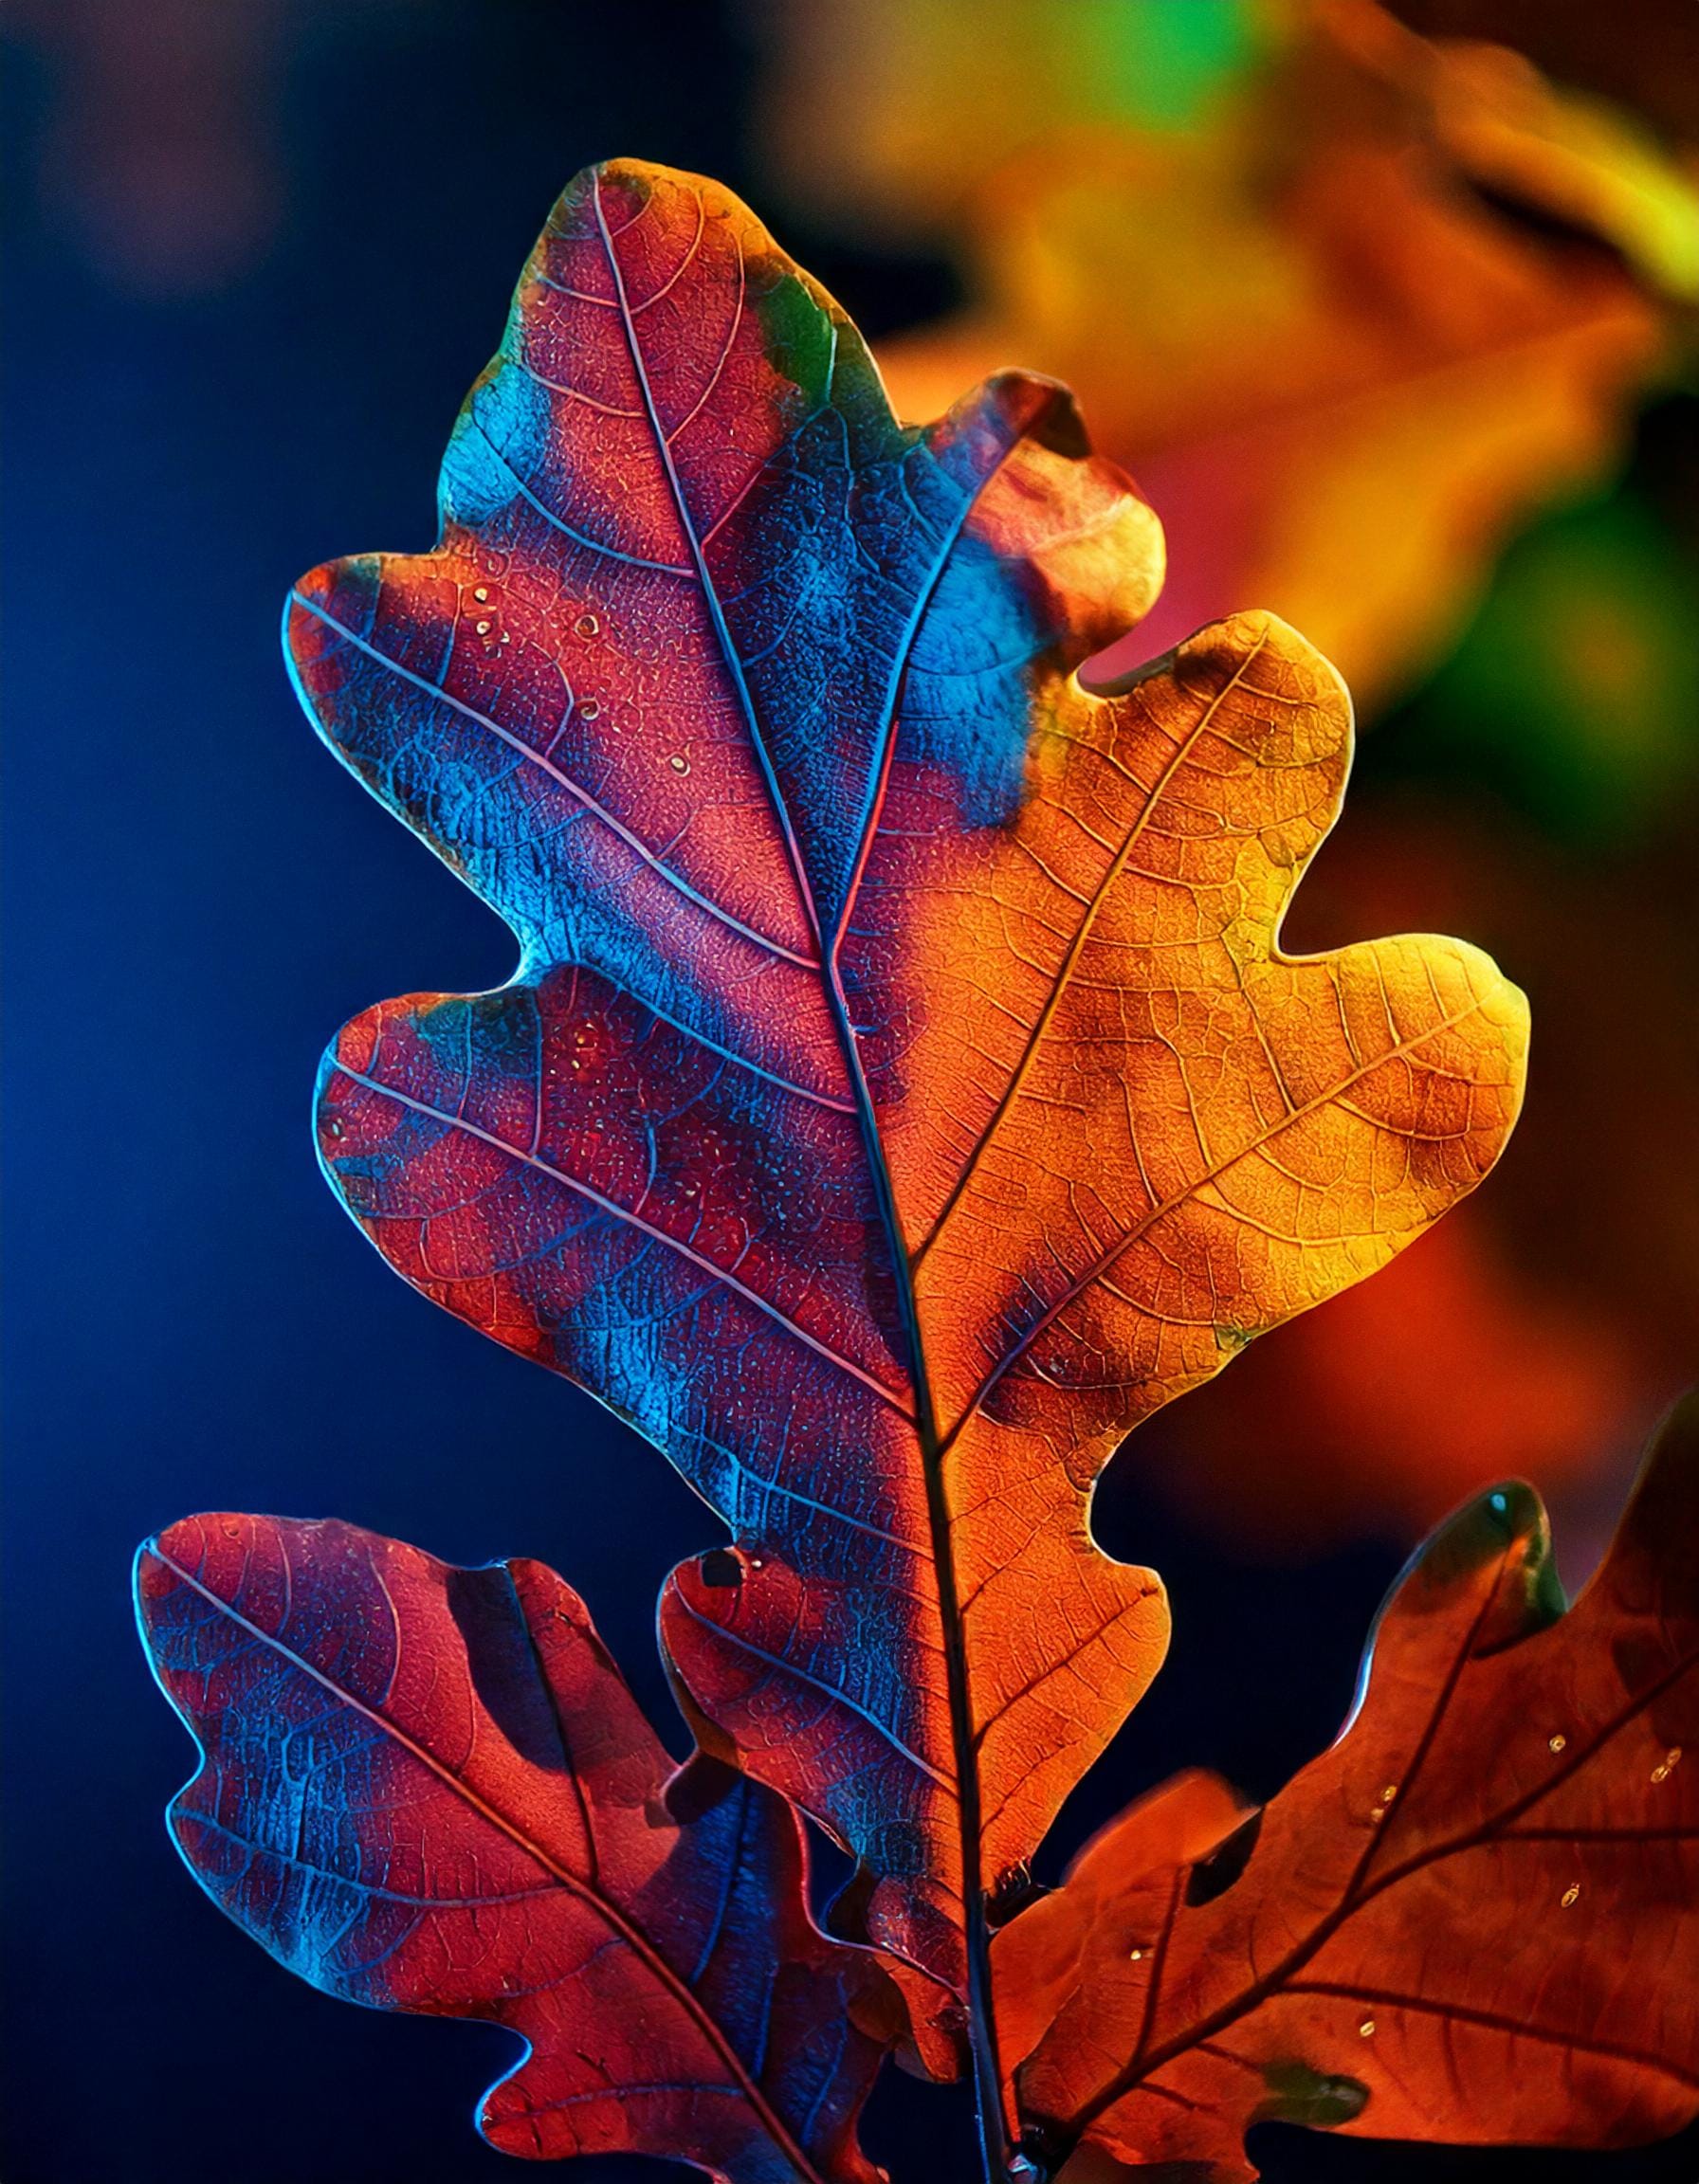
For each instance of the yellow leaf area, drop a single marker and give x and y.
(1350, 308)
(1136, 1134)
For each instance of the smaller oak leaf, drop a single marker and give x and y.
(428, 1789)
(1474, 1919)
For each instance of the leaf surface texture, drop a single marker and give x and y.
(1474, 1919)
(428, 1789)
(902, 1091)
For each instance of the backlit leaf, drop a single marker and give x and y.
(428, 1789)
(902, 1092)
(1476, 1920)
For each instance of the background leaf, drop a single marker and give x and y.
(1474, 1919)
(1350, 304)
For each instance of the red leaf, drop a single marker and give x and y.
(428, 1789)
(1474, 1919)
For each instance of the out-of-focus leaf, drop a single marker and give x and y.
(1575, 692)
(1381, 300)
(902, 1093)
(428, 1789)
(888, 114)
(1647, 56)
(1476, 1920)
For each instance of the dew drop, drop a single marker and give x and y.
(1135, 1956)
(482, 593)
(1668, 1764)
(1389, 1794)
(335, 1128)
(483, 628)
(1367, 2028)
(1556, 1743)
(1376, 1815)
(756, 1562)
(679, 763)
(1572, 1895)
(587, 625)
(589, 710)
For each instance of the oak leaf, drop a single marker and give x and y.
(902, 1092)
(428, 1789)
(1474, 1919)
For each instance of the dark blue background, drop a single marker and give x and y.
(198, 896)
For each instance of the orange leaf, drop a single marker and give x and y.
(1474, 1919)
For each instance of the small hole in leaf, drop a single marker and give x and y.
(721, 1569)
(1214, 1875)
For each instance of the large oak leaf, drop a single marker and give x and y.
(428, 1789)
(902, 1092)
(1474, 1919)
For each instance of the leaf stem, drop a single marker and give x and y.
(982, 2038)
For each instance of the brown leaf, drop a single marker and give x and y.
(1474, 1919)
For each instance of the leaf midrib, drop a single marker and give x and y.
(963, 1756)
